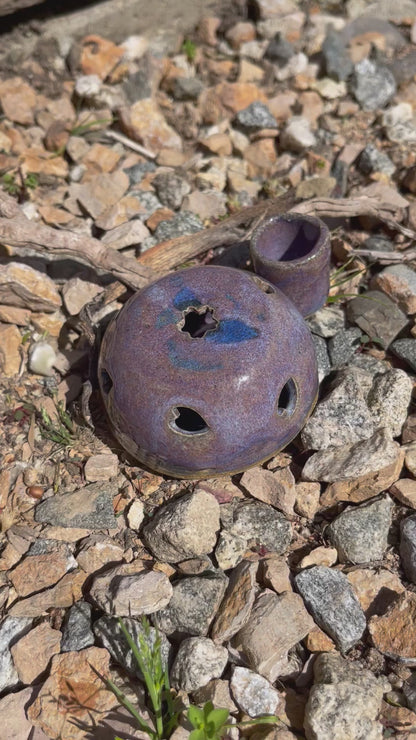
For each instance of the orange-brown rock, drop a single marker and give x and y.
(65, 593)
(37, 572)
(32, 653)
(18, 100)
(393, 633)
(99, 56)
(375, 589)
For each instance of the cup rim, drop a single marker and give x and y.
(322, 243)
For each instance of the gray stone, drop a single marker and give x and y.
(198, 661)
(360, 532)
(377, 315)
(90, 507)
(11, 630)
(279, 50)
(253, 693)
(408, 547)
(76, 631)
(255, 117)
(182, 224)
(139, 593)
(373, 85)
(337, 63)
(379, 243)
(344, 701)
(149, 203)
(297, 135)
(389, 400)
(326, 322)
(402, 132)
(334, 606)
(373, 160)
(171, 188)
(193, 606)
(187, 88)
(409, 690)
(138, 171)
(110, 635)
(406, 350)
(322, 356)
(230, 550)
(343, 416)
(369, 364)
(261, 524)
(237, 603)
(185, 528)
(343, 345)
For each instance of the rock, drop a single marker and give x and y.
(344, 701)
(170, 188)
(276, 489)
(73, 677)
(318, 642)
(182, 224)
(329, 89)
(409, 691)
(297, 135)
(259, 524)
(143, 122)
(98, 550)
(375, 589)
(207, 204)
(327, 321)
(399, 283)
(135, 515)
(193, 605)
(77, 292)
(406, 350)
(322, 357)
(404, 490)
(14, 721)
(377, 316)
(18, 101)
(217, 691)
(276, 574)
(360, 533)
(230, 550)
(90, 507)
(372, 85)
(237, 603)
(337, 63)
(255, 117)
(275, 625)
(357, 471)
(307, 499)
(312, 106)
(179, 531)
(279, 50)
(320, 556)
(12, 315)
(392, 633)
(37, 572)
(136, 593)
(101, 191)
(342, 417)
(108, 631)
(129, 234)
(24, 287)
(99, 56)
(389, 400)
(76, 632)
(239, 33)
(343, 345)
(33, 652)
(316, 187)
(187, 88)
(64, 594)
(101, 467)
(408, 547)
(198, 661)
(373, 160)
(10, 346)
(333, 604)
(254, 694)
(11, 629)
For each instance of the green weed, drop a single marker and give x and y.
(62, 430)
(189, 48)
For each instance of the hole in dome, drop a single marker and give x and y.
(106, 381)
(189, 421)
(263, 285)
(288, 396)
(198, 321)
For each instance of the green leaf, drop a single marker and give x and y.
(197, 735)
(218, 717)
(196, 716)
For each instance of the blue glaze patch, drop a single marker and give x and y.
(231, 331)
(165, 318)
(185, 298)
(179, 360)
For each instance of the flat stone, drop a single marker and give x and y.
(399, 283)
(322, 357)
(373, 160)
(90, 507)
(373, 85)
(389, 399)
(11, 629)
(377, 316)
(182, 224)
(240, 32)
(275, 625)
(132, 594)
(307, 499)
(360, 533)
(99, 56)
(405, 349)
(177, 531)
(13, 315)
(343, 345)
(297, 135)
(101, 467)
(217, 691)
(24, 287)
(101, 191)
(77, 292)
(260, 524)
(255, 117)
(37, 572)
(33, 652)
(276, 574)
(193, 606)
(327, 321)
(316, 187)
(143, 122)
(404, 490)
(207, 204)
(76, 631)
(237, 603)
(170, 188)
(320, 556)
(64, 594)
(14, 721)
(375, 589)
(334, 606)
(76, 674)
(253, 694)
(276, 489)
(393, 632)
(198, 661)
(131, 233)
(135, 515)
(337, 62)
(10, 347)
(18, 100)
(96, 551)
(109, 633)
(408, 547)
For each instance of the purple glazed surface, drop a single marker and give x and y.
(251, 374)
(293, 253)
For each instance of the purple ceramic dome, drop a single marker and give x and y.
(206, 371)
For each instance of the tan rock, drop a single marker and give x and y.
(144, 123)
(320, 556)
(99, 56)
(375, 589)
(24, 287)
(400, 720)
(393, 632)
(97, 551)
(32, 653)
(38, 160)
(218, 691)
(103, 158)
(307, 499)
(56, 136)
(218, 144)
(276, 574)
(55, 216)
(312, 106)
(399, 283)
(77, 147)
(237, 603)
(364, 487)
(101, 192)
(64, 594)
(250, 72)
(319, 642)
(276, 489)
(101, 467)
(14, 722)
(10, 344)
(261, 157)
(134, 579)
(404, 490)
(156, 218)
(207, 30)
(240, 32)
(18, 100)
(127, 208)
(77, 292)
(223, 489)
(14, 315)
(206, 204)
(76, 686)
(49, 323)
(171, 158)
(37, 572)
(126, 235)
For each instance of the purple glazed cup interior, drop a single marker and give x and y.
(293, 253)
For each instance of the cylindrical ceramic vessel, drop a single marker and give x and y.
(293, 252)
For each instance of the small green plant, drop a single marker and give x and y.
(62, 430)
(189, 48)
(9, 183)
(212, 724)
(13, 187)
